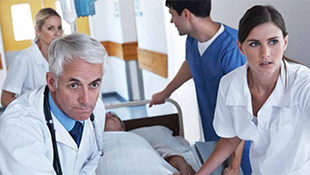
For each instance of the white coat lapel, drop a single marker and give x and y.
(62, 135)
(86, 137)
(238, 91)
(39, 58)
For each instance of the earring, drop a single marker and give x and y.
(37, 38)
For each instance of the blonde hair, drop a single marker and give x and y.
(42, 16)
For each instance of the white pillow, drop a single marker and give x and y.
(161, 137)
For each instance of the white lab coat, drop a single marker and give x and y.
(280, 133)
(26, 145)
(27, 71)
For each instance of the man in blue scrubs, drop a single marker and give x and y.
(211, 52)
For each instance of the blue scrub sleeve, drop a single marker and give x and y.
(232, 59)
(245, 160)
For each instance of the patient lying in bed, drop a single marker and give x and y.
(129, 153)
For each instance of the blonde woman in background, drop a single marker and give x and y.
(29, 68)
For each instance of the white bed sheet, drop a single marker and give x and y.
(132, 153)
(161, 139)
(126, 154)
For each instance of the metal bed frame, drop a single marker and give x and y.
(172, 121)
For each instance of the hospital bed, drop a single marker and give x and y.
(173, 121)
(152, 128)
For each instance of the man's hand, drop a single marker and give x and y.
(158, 98)
(183, 75)
(187, 170)
(180, 164)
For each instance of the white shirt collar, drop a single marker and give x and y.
(39, 58)
(239, 93)
(202, 47)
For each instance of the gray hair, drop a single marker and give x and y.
(67, 49)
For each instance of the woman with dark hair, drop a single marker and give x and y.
(266, 101)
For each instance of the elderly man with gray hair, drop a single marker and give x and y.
(56, 129)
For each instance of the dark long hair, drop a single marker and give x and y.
(258, 15)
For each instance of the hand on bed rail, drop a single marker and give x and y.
(159, 98)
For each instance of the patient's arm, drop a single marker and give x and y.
(180, 164)
(7, 97)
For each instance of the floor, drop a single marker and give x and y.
(124, 113)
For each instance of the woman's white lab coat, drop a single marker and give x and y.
(26, 145)
(280, 133)
(27, 71)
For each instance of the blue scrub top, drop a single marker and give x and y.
(221, 57)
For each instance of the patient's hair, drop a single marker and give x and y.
(200, 8)
(70, 48)
(122, 123)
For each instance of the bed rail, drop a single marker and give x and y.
(144, 102)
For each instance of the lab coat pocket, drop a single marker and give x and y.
(281, 136)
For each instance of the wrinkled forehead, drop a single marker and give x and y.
(81, 69)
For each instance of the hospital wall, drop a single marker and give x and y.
(129, 32)
(155, 33)
(114, 22)
(3, 70)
